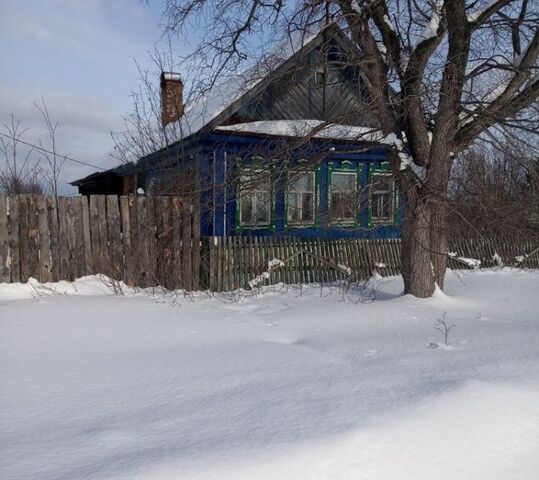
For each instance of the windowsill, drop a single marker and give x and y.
(300, 225)
(350, 224)
(250, 226)
(379, 223)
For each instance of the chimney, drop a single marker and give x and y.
(171, 97)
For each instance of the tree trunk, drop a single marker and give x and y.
(424, 244)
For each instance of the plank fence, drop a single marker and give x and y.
(232, 262)
(144, 241)
(150, 241)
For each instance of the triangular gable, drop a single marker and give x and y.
(217, 110)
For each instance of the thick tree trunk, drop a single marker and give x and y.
(424, 245)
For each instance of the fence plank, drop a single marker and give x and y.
(128, 267)
(95, 236)
(71, 238)
(52, 220)
(78, 238)
(86, 237)
(24, 238)
(177, 242)
(14, 238)
(4, 240)
(45, 271)
(114, 237)
(187, 275)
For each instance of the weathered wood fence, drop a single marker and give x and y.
(150, 241)
(145, 241)
(232, 262)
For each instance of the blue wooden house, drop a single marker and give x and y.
(293, 153)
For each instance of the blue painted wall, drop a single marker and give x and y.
(212, 153)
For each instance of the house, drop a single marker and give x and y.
(293, 152)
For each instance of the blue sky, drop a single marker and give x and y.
(77, 55)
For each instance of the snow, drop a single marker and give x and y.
(294, 383)
(470, 262)
(431, 29)
(273, 264)
(301, 128)
(473, 16)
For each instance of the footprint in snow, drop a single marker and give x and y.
(370, 353)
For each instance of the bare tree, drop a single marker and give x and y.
(19, 174)
(143, 131)
(440, 75)
(51, 168)
(442, 326)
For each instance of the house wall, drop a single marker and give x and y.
(219, 199)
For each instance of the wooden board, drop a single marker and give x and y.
(4, 241)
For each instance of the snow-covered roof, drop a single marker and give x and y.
(302, 128)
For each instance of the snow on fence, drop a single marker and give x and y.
(144, 241)
(234, 262)
(150, 241)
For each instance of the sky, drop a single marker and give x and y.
(78, 55)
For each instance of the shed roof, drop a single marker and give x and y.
(123, 170)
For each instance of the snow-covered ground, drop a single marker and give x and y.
(279, 386)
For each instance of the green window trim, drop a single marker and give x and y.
(256, 166)
(315, 201)
(345, 167)
(386, 171)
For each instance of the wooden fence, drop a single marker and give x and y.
(150, 241)
(145, 241)
(232, 262)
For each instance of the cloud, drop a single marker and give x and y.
(84, 125)
(77, 55)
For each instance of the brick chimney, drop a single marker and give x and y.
(171, 97)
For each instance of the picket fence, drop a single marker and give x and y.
(144, 241)
(235, 262)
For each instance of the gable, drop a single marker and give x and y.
(320, 85)
(287, 90)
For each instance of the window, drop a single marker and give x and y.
(300, 198)
(344, 197)
(382, 198)
(255, 197)
(319, 77)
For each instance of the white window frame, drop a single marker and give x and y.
(251, 194)
(374, 194)
(343, 221)
(296, 174)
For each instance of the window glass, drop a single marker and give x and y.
(382, 198)
(255, 197)
(343, 197)
(300, 197)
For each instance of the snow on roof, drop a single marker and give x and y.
(171, 76)
(302, 128)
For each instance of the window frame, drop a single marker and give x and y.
(254, 169)
(314, 193)
(319, 74)
(385, 171)
(348, 168)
